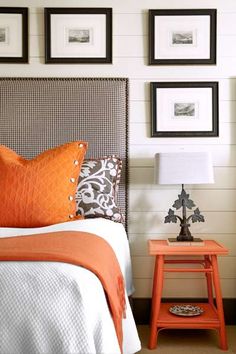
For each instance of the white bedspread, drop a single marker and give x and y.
(55, 308)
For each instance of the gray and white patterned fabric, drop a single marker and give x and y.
(97, 189)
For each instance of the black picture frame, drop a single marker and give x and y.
(50, 57)
(15, 50)
(181, 38)
(188, 112)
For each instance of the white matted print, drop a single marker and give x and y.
(179, 38)
(78, 35)
(4, 35)
(13, 35)
(71, 36)
(182, 37)
(184, 109)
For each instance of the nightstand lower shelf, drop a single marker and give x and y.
(208, 319)
(205, 260)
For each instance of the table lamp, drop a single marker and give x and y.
(184, 168)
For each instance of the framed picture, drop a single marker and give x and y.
(13, 35)
(78, 35)
(184, 109)
(181, 37)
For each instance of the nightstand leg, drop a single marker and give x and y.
(209, 281)
(219, 303)
(156, 299)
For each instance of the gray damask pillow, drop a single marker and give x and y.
(97, 189)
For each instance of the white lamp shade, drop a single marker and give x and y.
(184, 168)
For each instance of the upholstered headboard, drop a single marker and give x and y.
(40, 113)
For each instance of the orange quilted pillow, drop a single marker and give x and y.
(40, 191)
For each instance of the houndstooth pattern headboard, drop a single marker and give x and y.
(40, 113)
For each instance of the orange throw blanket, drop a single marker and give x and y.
(79, 248)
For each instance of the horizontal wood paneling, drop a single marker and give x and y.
(143, 155)
(130, 67)
(162, 200)
(191, 288)
(141, 132)
(143, 179)
(151, 222)
(129, 6)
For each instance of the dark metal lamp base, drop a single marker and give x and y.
(185, 234)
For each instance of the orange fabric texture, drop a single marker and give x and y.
(79, 248)
(40, 191)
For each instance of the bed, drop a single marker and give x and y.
(56, 307)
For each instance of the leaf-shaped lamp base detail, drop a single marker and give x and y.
(184, 202)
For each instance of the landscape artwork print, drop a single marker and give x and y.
(183, 38)
(80, 35)
(3, 35)
(184, 110)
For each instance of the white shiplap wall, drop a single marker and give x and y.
(149, 202)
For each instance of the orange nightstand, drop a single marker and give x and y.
(213, 316)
